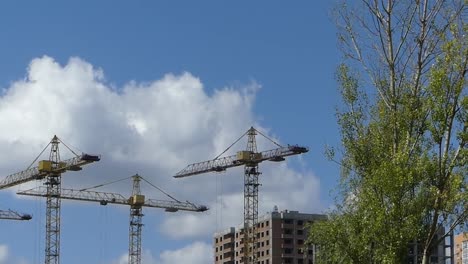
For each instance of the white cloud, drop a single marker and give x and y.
(154, 129)
(5, 257)
(195, 253)
(3, 254)
(122, 260)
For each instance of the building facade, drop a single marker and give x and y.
(280, 236)
(439, 254)
(461, 248)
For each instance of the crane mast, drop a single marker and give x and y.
(136, 202)
(53, 185)
(251, 174)
(12, 215)
(50, 170)
(250, 158)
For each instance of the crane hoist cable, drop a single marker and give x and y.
(230, 146)
(68, 148)
(235, 142)
(274, 142)
(126, 178)
(40, 154)
(168, 195)
(34, 161)
(104, 184)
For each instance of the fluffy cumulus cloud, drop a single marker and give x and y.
(195, 253)
(153, 128)
(163, 123)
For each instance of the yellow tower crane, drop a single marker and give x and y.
(50, 172)
(136, 202)
(250, 158)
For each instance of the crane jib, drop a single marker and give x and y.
(241, 158)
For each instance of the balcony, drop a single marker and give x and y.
(287, 245)
(287, 226)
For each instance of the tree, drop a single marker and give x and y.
(403, 128)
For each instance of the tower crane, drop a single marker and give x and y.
(50, 171)
(12, 215)
(136, 202)
(250, 158)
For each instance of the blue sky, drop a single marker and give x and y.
(222, 65)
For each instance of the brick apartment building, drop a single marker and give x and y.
(280, 239)
(461, 248)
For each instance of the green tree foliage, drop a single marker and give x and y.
(404, 130)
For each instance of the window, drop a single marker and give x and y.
(300, 232)
(300, 222)
(267, 232)
(410, 250)
(465, 252)
(288, 221)
(267, 223)
(300, 242)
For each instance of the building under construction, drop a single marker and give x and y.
(280, 239)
